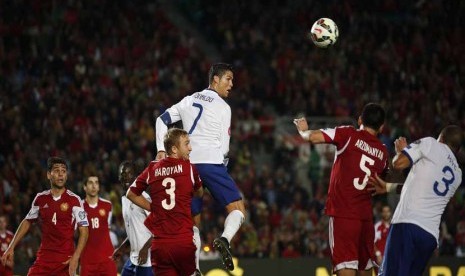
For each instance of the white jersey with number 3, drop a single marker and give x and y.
(207, 119)
(432, 181)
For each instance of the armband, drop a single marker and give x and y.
(391, 187)
(305, 134)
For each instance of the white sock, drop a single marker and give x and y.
(198, 244)
(232, 223)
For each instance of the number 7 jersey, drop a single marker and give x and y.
(207, 119)
(359, 155)
(433, 179)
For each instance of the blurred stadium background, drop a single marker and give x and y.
(85, 80)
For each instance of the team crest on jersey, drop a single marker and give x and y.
(102, 212)
(64, 207)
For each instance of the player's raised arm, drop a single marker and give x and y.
(313, 136)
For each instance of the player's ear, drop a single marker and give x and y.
(216, 79)
(381, 128)
(48, 175)
(359, 121)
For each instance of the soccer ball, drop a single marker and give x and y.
(324, 32)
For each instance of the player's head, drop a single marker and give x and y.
(386, 213)
(452, 136)
(126, 173)
(57, 172)
(92, 186)
(3, 222)
(177, 143)
(373, 116)
(220, 78)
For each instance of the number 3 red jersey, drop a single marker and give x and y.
(358, 155)
(172, 184)
(98, 247)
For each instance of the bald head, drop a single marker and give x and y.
(452, 136)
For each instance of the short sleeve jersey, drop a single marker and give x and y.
(430, 184)
(98, 247)
(172, 184)
(359, 155)
(57, 218)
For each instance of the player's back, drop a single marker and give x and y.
(359, 154)
(432, 181)
(171, 189)
(98, 247)
(206, 117)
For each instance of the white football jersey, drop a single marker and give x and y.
(432, 181)
(137, 233)
(207, 119)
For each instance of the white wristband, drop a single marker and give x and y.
(391, 187)
(305, 134)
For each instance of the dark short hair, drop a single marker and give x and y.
(127, 163)
(55, 160)
(172, 138)
(373, 116)
(218, 69)
(452, 136)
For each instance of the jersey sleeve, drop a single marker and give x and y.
(418, 149)
(147, 197)
(141, 182)
(225, 131)
(80, 215)
(197, 182)
(33, 213)
(338, 136)
(170, 116)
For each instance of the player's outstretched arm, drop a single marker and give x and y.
(119, 251)
(74, 260)
(400, 161)
(378, 186)
(8, 256)
(313, 136)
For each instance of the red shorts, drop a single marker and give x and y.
(48, 268)
(173, 259)
(352, 243)
(107, 268)
(5, 270)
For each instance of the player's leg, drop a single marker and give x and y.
(224, 190)
(425, 244)
(162, 262)
(196, 209)
(183, 257)
(40, 268)
(344, 239)
(399, 251)
(129, 269)
(366, 249)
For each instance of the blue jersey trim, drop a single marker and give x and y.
(166, 118)
(408, 156)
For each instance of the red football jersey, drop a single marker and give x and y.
(98, 247)
(5, 240)
(358, 155)
(381, 234)
(172, 184)
(57, 218)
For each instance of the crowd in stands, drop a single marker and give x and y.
(85, 79)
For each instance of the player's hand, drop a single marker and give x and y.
(117, 254)
(73, 264)
(301, 124)
(160, 155)
(8, 256)
(143, 255)
(377, 186)
(400, 144)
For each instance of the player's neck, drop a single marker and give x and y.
(92, 199)
(370, 130)
(56, 192)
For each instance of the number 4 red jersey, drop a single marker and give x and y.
(172, 184)
(98, 247)
(359, 154)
